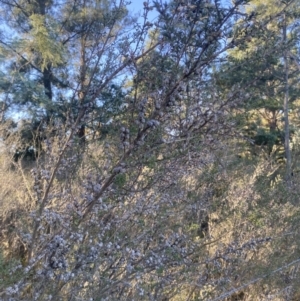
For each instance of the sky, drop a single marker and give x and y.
(137, 6)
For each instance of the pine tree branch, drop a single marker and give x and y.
(54, 79)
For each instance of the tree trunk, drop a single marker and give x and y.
(286, 108)
(47, 73)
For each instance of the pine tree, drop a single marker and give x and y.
(262, 60)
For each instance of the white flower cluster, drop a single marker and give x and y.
(38, 185)
(12, 290)
(153, 123)
(58, 248)
(141, 113)
(120, 168)
(124, 136)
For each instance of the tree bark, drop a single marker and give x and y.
(286, 107)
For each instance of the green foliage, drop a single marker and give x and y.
(42, 41)
(151, 162)
(7, 277)
(256, 219)
(120, 180)
(267, 138)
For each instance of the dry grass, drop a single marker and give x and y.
(238, 212)
(15, 203)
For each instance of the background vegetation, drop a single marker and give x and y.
(149, 159)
